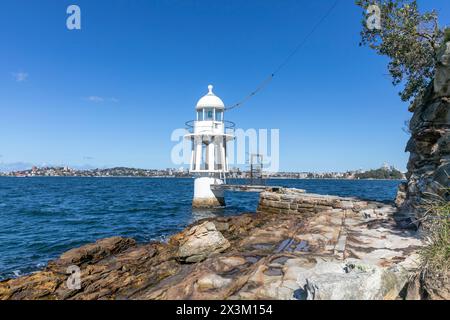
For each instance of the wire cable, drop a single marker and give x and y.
(266, 81)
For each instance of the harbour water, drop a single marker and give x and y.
(40, 218)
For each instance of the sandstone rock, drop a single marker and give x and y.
(94, 252)
(355, 281)
(437, 286)
(401, 194)
(212, 281)
(413, 289)
(368, 213)
(222, 226)
(269, 256)
(233, 261)
(201, 241)
(429, 144)
(270, 196)
(346, 205)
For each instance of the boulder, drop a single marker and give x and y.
(351, 281)
(201, 241)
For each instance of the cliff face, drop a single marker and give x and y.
(429, 162)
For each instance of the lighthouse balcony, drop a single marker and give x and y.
(208, 171)
(196, 126)
(212, 128)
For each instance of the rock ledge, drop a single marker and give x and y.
(297, 246)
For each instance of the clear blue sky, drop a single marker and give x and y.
(111, 94)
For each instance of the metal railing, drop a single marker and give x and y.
(228, 125)
(256, 170)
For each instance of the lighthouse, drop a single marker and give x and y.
(209, 162)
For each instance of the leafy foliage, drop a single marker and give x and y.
(388, 174)
(409, 38)
(447, 35)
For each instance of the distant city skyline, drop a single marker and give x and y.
(22, 166)
(110, 94)
(383, 173)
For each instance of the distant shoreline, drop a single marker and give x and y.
(169, 177)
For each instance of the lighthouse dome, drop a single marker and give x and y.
(210, 100)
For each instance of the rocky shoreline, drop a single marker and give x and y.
(297, 246)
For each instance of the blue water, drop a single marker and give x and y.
(40, 218)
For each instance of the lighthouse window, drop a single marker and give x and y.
(209, 114)
(200, 115)
(219, 115)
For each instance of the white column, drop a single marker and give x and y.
(207, 157)
(225, 154)
(204, 197)
(210, 152)
(198, 154)
(191, 164)
(217, 154)
(222, 156)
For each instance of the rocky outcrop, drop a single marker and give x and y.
(199, 242)
(92, 253)
(294, 201)
(429, 146)
(330, 248)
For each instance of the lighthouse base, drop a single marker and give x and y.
(208, 203)
(204, 197)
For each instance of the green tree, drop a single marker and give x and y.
(410, 40)
(380, 174)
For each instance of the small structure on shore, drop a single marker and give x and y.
(209, 162)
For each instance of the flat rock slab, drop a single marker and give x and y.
(324, 253)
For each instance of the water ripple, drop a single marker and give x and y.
(40, 218)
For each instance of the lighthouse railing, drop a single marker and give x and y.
(228, 125)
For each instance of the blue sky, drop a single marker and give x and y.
(112, 93)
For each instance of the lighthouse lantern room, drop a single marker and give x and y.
(209, 163)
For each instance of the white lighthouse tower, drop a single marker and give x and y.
(209, 162)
